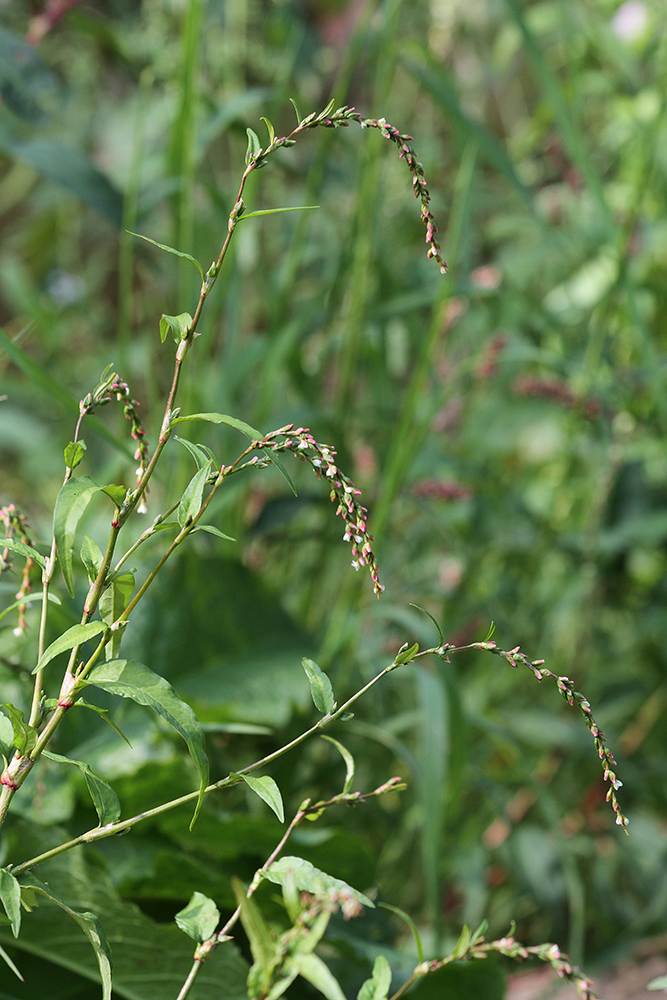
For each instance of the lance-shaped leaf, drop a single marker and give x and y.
(349, 762)
(254, 147)
(268, 791)
(88, 923)
(168, 249)
(377, 987)
(113, 602)
(196, 450)
(130, 679)
(212, 530)
(21, 549)
(104, 798)
(275, 211)
(10, 894)
(320, 686)
(28, 599)
(71, 502)
(312, 968)
(74, 636)
(262, 942)
(199, 918)
(25, 735)
(91, 557)
(5, 957)
(308, 878)
(191, 500)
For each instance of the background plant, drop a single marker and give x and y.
(545, 123)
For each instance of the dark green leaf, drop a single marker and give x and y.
(192, 498)
(25, 736)
(104, 798)
(74, 452)
(115, 493)
(74, 636)
(133, 680)
(320, 686)
(5, 957)
(71, 503)
(10, 894)
(168, 249)
(113, 602)
(179, 326)
(377, 988)
(268, 791)
(91, 557)
(199, 918)
(308, 878)
(254, 147)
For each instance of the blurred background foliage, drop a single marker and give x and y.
(506, 425)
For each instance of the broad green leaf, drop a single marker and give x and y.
(115, 493)
(25, 736)
(10, 894)
(113, 602)
(88, 923)
(270, 129)
(192, 498)
(168, 249)
(179, 326)
(275, 211)
(254, 146)
(349, 762)
(199, 918)
(21, 549)
(298, 113)
(411, 924)
(130, 679)
(268, 791)
(262, 943)
(320, 686)
(104, 798)
(74, 452)
(212, 530)
(29, 599)
(312, 968)
(71, 503)
(91, 557)
(308, 878)
(74, 636)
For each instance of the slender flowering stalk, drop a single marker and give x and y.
(16, 524)
(550, 953)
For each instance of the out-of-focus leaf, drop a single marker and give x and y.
(308, 878)
(377, 987)
(10, 894)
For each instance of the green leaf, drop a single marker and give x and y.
(492, 629)
(199, 455)
(262, 944)
(115, 493)
(270, 129)
(407, 654)
(658, 984)
(113, 602)
(21, 549)
(71, 503)
(254, 147)
(275, 211)
(10, 894)
(74, 452)
(320, 686)
(29, 599)
(298, 113)
(130, 679)
(199, 918)
(318, 974)
(179, 326)
(5, 957)
(74, 636)
(91, 557)
(268, 791)
(104, 798)
(25, 736)
(308, 878)
(212, 530)
(429, 615)
(349, 762)
(192, 498)
(168, 249)
(6, 737)
(411, 924)
(463, 943)
(377, 988)
(104, 713)
(88, 923)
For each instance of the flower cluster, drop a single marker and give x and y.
(343, 491)
(572, 697)
(16, 524)
(550, 953)
(557, 390)
(113, 387)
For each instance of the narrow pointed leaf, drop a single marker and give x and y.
(461, 946)
(10, 894)
(308, 878)
(74, 636)
(199, 918)
(168, 249)
(261, 941)
(275, 211)
(349, 762)
(104, 798)
(21, 549)
(191, 500)
(104, 713)
(320, 686)
(312, 968)
(88, 923)
(71, 503)
(268, 791)
(113, 602)
(407, 654)
(270, 129)
(199, 455)
(212, 530)
(28, 599)
(377, 987)
(298, 113)
(130, 679)
(429, 615)
(5, 957)
(411, 924)
(91, 557)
